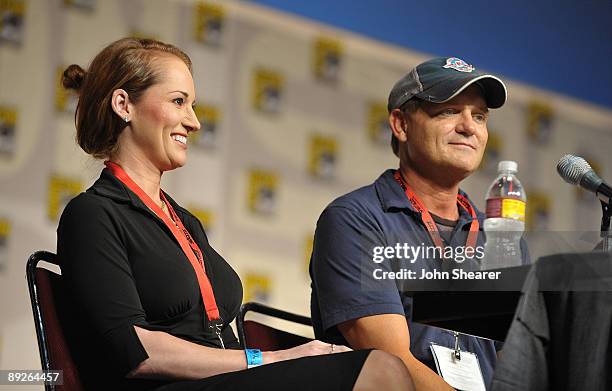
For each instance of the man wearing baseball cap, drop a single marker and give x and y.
(438, 115)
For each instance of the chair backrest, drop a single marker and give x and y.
(257, 335)
(47, 296)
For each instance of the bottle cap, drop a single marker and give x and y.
(507, 165)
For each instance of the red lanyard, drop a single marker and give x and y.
(429, 222)
(188, 245)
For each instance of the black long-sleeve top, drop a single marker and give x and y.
(122, 267)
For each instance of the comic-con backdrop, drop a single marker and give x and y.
(293, 115)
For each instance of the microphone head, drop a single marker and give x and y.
(572, 168)
(575, 170)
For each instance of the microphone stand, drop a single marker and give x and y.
(606, 232)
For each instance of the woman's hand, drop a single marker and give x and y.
(312, 348)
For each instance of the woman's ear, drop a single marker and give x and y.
(120, 102)
(398, 124)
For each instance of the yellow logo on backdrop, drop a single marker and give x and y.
(257, 287)
(262, 192)
(327, 59)
(11, 20)
(8, 129)
(206, 217)
(538, 211)
(5, 232)
(5, 228)
(61, 191)
(65, 100)
(208, 23)
(267, 90)
(8, 115)
(378, 123)
(209, 117)
(14, 6)
(308, 246)
(540, 118)
(323, 151)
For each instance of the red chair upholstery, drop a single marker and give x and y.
(47, 296)
(257, 335)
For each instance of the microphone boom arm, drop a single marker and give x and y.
(606, 232)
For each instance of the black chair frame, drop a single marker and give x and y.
(39, 323)
(266, 310)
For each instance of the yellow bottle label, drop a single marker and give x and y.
(513, 209)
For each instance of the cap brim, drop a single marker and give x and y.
(494, 89)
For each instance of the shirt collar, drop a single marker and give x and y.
(390, 193)
(110, 186)
(392, 196)
(107, 185)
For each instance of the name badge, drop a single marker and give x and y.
(461, 373)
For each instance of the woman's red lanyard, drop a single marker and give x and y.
(188, 245)
(429, 222)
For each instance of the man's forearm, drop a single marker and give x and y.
(424, 378)
(389, 332)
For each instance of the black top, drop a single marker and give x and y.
(123, 267)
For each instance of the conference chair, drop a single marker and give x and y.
(253, 334)
(47, 296)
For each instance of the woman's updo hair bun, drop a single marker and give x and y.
(73, 77)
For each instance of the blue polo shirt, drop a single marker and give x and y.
(341, 267)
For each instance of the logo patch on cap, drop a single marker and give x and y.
(458, 65)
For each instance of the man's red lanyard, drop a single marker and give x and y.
(182, 236)
(429, 222)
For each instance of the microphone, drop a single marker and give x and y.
(576, 171)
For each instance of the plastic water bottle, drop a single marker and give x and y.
(505, 222)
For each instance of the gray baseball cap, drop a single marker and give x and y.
(441, 79)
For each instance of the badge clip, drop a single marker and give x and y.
(457, 352)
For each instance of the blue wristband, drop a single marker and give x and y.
(254, 357)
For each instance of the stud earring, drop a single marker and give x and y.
(126, 119)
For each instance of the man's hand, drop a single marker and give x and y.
(389, 332)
